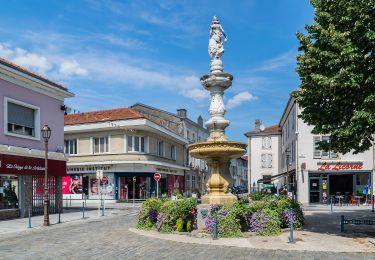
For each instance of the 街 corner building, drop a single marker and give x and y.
(28, 101)
(286, 157)
(129, 148)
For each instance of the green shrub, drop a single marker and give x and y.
(273, 226)
(179, 225)
(257, 196)
(150, 207)
(228, 223)
(189, 225)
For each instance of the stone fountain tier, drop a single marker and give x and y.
(217, 149)
(218, 155)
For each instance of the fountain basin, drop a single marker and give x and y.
(217, 149)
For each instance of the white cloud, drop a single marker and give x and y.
(196, 94)
(127, 43)
(70, 68)
(32, 61)
(239, 99)
(281, 61)
(50, 65)
(5, 51)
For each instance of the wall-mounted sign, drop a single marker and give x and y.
(22, 165)
(340, 166)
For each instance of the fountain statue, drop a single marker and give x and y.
(217, 150)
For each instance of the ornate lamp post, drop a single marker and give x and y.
(46, 133)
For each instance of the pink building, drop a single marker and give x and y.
(28, 101)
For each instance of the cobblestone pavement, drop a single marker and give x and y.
(109, 238)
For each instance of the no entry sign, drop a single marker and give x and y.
(104, 179)
(157, 176)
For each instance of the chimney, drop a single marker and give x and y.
(200, 121)
(182, 113)
(258, 122)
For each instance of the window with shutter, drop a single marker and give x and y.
(264, 161)
(269, 160)
(21, 119)
(317, 152)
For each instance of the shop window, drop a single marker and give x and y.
(136, 144)
(193, 182)
(266, 160)
(173, 152)
(21, 119)
(101, 145)
(320, 153)
(160, 148)
(266, 142)
(8, 192)
(71, 146)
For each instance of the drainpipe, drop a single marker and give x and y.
(249, 166)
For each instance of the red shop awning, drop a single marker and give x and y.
(22, 165)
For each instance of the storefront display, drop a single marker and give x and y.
(8, 192)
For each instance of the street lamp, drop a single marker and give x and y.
(46, 133)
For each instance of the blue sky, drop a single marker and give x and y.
(116, 53)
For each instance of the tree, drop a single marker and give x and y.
(337, 71)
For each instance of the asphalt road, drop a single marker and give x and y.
(109, 238)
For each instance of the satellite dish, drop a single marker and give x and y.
(261, 127)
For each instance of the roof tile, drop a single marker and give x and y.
(102, 116)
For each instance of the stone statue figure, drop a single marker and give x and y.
(217, 40)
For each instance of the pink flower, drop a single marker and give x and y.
(193, 211)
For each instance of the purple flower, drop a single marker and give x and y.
(257, 221)
(215, 206)
(223, 212)
(153, 215)
(160, 221)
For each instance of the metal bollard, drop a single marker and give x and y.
(291, 238)
(215, 224)
(59, 214)
(102, 207)
(29, 215)
(342, 223)
(83, 210)
(331, 205)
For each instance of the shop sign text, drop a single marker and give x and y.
(340, 166)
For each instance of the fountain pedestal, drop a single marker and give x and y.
(217, 150)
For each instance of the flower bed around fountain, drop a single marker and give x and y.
(266, 216)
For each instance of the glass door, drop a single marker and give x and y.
(315, 190)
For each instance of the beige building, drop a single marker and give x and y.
(192, 132)
(128, 148)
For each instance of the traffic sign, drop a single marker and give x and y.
(104, 179)
(157, 176)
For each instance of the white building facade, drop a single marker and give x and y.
(238, 171)
(264, 159)
(313, 174)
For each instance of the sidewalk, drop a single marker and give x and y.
(71, 215)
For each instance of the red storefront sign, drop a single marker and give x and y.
(341, 166)
(22, 165)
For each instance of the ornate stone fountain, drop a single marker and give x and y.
(217, 150)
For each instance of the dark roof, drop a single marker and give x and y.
(268, 130)
(102, 116)
(30, 73)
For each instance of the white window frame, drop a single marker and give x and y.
(173, 153)
(268, 160)
(77, 150)
(157, 148)
(36, 119)
(145, 140)
(322, 154)
(108, 144)
(264, 143)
